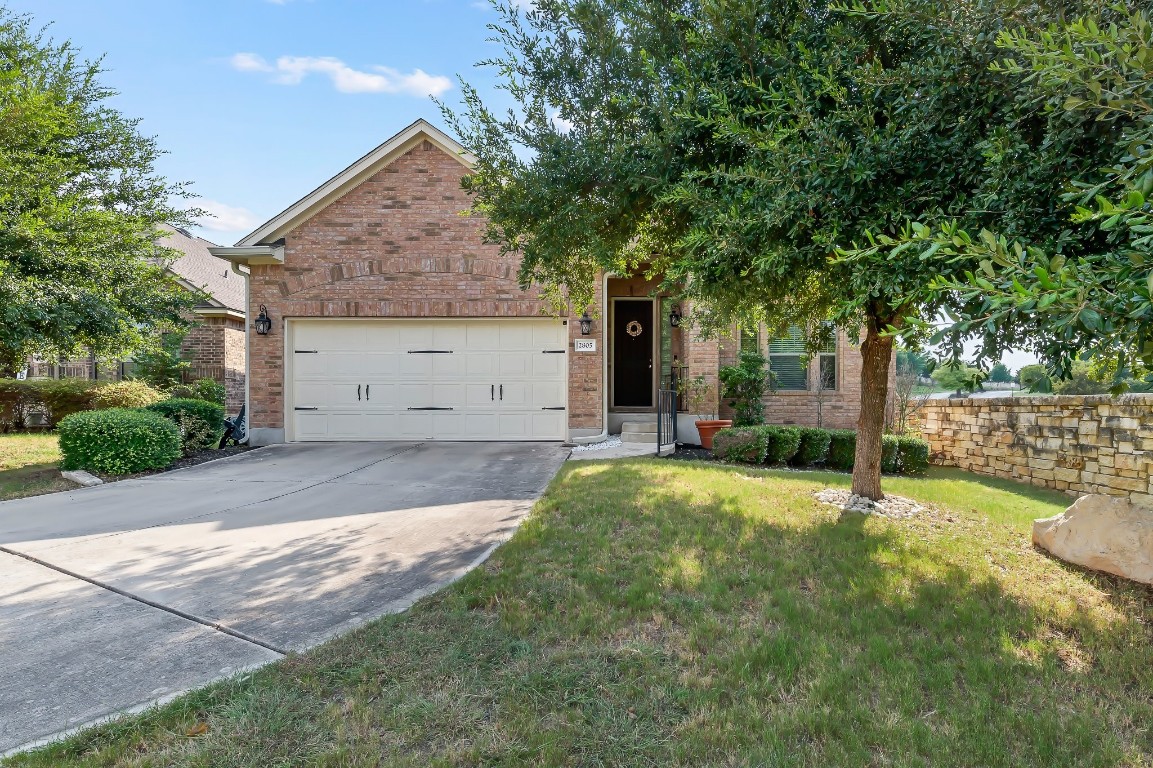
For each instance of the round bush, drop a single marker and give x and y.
(814, 447)
(200, 422)
(842, 449)
(913, 455)
(889, 454)
(126, 394)
(744, 444)
(783, 445)
(118, 441)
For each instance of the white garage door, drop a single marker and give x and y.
(428, 379)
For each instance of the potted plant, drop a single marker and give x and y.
(699, 394)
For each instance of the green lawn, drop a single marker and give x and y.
(657, 613)
(28, 465)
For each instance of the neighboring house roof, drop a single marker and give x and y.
(308, 206)
(199, 270)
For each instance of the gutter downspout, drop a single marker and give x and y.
(247, 350)
(604, 371)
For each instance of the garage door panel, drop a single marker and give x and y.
(514, 364)
(377, 364)
(551, 366)
(400, 368)
(447, 366)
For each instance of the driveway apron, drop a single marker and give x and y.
(121, 595)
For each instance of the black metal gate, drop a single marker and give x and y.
(666, 418)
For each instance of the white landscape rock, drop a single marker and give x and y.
(1104, 533)
(890, 506)
(81, 477)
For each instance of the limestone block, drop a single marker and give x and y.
(1103, 533)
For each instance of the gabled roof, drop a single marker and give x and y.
(352, 176)
(199, 270)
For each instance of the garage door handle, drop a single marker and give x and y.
(553, 408)
(553, 351)
(502, 392)
(306, 408)
(307, 352)
(431, 408)
(358, 393)
(492, 391)
(367, 391)
(430, 351)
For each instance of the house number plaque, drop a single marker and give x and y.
(585, 345)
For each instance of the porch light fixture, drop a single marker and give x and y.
(262, 323)
(586, 324)
(675, 316)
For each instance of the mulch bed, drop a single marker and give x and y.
(692, 453)
(200, 457)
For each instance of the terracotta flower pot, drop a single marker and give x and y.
(707, 429)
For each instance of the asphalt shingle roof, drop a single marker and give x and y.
(201, 269)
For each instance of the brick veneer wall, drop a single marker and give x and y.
(1075, 444)
(831, 409)
(395, 246)
(215, 347)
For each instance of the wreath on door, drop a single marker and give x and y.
(634, 328)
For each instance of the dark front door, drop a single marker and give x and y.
(633, 354)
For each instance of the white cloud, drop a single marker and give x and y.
(561, 125)
(225, 218)
(291, 70)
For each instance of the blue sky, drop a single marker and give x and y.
(259, 101)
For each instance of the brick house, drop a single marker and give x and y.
(392, 319)
(215, 344)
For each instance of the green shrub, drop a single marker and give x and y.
(889, 459)
(57, 398)
(913, 455)
(118, 441)
(842, 449)
(126, 394)
(744, 386)
(814, 447)
(783, 445)
(744, 444)
(200, 422)
(201, 389)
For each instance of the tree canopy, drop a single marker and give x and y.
(739, 148)
(80, 206)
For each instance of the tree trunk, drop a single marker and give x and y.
(877, 356)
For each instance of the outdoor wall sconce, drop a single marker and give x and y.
(263, 323)
(586, 324)
(675, 316)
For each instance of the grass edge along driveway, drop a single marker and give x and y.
(669, 613)
(29, 465)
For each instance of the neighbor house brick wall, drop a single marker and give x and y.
(1075, 444)
(214, 347)
(395, 246)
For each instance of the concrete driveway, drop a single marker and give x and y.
(118, 596)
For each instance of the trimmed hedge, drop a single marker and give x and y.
(913, 455)
(889, 455)
(783, 444)
(746, 444)
(126, 394)
(58, 398)
(118, 441)
(201, 423)
(814, 448)
(842, 449)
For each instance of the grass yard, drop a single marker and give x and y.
(655, 613)
(28, 465)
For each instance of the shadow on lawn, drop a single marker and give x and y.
(685, 615)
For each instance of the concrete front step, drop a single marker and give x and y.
(639, 437)
(639, 426)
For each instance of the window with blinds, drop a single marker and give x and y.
(787, 361)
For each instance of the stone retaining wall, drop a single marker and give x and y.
(1075, 444)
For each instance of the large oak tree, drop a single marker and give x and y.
(80, 206)
(740, 148)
